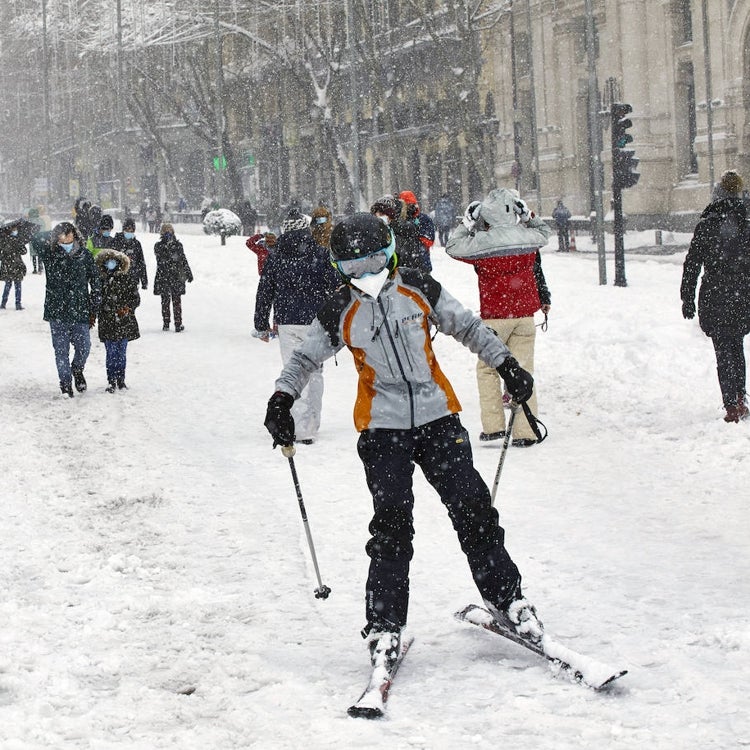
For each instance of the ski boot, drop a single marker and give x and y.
(384, 648)
(520, 616)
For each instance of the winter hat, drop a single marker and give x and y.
(387, 205)
(128, 225)
(731, 182)
(408, 197)
(293, 222)
(167, 229)
(106, 222)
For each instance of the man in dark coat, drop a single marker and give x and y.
(172, 271)
(721, 248)
(297, 279)
(126, 242)
(71, 302)
(561, 215)
(445, 217)
(12, 267)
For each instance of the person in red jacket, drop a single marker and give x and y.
(501, 238)
(261, 245)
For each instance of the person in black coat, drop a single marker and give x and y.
(117, 321)
(411, 252)
(721, 248)
(172, 271)
(127, 243)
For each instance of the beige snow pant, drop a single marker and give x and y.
(518, 334)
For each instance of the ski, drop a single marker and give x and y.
(371, 704)
(579, 668)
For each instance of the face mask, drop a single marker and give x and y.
(372, 284)
(67, 246)
(167, 236)
(106, 233)
(111, 264)
(14, 233)
(128, 235)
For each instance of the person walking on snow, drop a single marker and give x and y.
(406, 413)
(172, 271)
(561, 215)
(501, 238)
(721, 249)
(71, 303)
(12, 267)
(117, 321)
(126, 242)
(296, 280)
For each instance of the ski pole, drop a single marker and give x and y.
(322, 591)
(513, 409)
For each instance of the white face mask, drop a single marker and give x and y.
(372, 284)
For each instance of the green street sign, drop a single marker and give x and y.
(220, 162)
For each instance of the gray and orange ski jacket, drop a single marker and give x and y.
(401, 385)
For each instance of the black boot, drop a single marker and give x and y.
(80, 381)
(111, 387)
(67, 388)
(121, 383)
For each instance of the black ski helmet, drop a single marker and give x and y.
(359, 235)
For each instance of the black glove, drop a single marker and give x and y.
(520, 384)
(279, 420)
(688, 310)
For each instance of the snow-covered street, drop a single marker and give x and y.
(157, 588)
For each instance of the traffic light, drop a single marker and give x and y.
(624, 163)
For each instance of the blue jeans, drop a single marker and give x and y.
(116, 359)
(63, 335)
(6, 292)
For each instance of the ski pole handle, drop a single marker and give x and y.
(288, 450)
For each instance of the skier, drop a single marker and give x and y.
(406, 413)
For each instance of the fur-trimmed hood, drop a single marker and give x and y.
(123, 262)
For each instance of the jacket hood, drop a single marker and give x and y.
(123, 262)
(505, 235)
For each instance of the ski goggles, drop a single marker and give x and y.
(356, 268)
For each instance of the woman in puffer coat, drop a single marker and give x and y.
(721, 248)
(117, 321)
(172, 271)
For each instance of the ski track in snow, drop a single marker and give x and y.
(157, 585)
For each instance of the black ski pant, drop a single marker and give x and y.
(442, 450)
(730, 365)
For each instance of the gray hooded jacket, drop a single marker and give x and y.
(505, 235)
